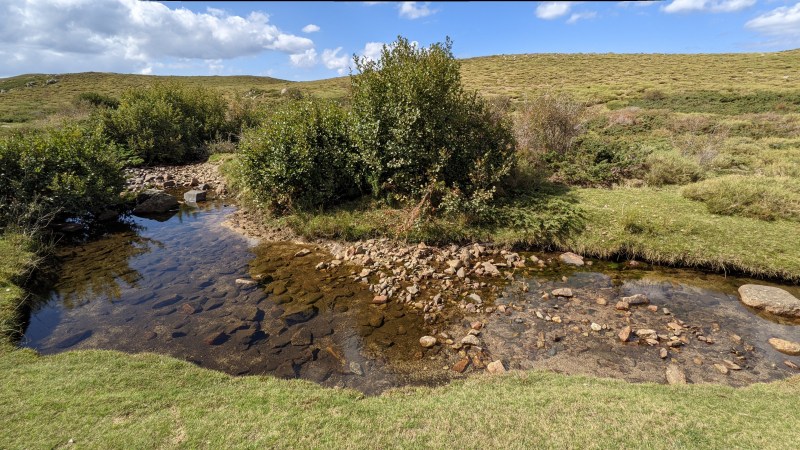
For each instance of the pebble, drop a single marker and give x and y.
(562, 292)
(625, 334)
(622, 306)
(663, 353)
(471, 340)
(461, 366)
(496, 367)
(601, 301)
(596, 326)
(721, 369)
(355, 368)
(675, 374)
(302, 252)
(427, 341)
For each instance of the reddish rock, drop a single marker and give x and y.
(461, 366)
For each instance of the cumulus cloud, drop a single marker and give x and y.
(783, 21)
(552, 10)
(129, 35)
(331, 59)
(680, 6)
(306, 59)
(415, 10)
(581, 16)
(372, 50)
(310, 28)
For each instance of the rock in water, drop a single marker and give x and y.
(771, 299)
(154, 201)
(562, 292)
(638, 299)
(675, 375)
(571, 259)
(625, 334)
(427, 341)
(784, 346)
(194, 196)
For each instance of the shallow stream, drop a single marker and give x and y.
(187, 286)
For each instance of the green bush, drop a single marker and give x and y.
(671, 168)
(72, 172)
(549, 123)
(301, 157)
(765, 198)
(98, 100)
(416, 126)
(166, 123)
(597, 161)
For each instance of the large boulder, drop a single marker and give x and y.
(770, 299)
(154, 201)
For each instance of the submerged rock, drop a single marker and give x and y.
(784, 346)
(770, 299)
(571, 259)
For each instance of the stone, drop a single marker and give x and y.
(601, 301)
(562, 292)
(675, 374)
(461, 273)
(638, 299)
(476, 325)
(375, 321)
(427, 341)
(784, 346)
(731, 365)
(217, 338)
(413, 290)
(186, 308)
(299, 313)
(624, 334)
(496, 367)
(770, 299)
(791, 365)
(663, 353)
(461, 366)
(194, 196)
(302, 253)
(245, 282)
(471, 340)
(379, 299)
(475, 298)
(596, 326)
(570, 258)
(302, 338)
(652, 308)
(355, 368)
(721, 369)
(622, 306)
(646, 332)
(154, 201)
(490, 269)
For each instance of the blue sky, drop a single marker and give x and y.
(304, 41)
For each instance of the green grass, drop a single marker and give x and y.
(104, 399)
(766, 198)
(16, 260)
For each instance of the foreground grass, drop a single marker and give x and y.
(15, 261)
(105, 399)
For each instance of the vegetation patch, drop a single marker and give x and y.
(765, 198)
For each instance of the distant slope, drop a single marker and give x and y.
(596, 78)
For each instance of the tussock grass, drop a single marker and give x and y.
(104, 399)
(765, 198)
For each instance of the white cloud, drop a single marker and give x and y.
(780, 21)
(372, 50)
(680, 6)
(415, 10)
(310, 28)
(637, 4)
(332, 60)
(581, 16)
(129, 36)
(552, 10)
(306, 59)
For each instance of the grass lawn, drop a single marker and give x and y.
(104, 399)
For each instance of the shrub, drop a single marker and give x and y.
(416, 126)
(71, 170)
(98, 100)
(301, 158)
(671, 168)
(597, 161)
(765, 198)
(166, 123)
(549, 123)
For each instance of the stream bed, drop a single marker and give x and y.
(187, 286)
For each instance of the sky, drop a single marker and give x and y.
(315, 40)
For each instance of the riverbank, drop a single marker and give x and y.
(100, 399)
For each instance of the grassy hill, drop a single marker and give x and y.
(704, 83)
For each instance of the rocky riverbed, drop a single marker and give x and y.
(377, 314)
